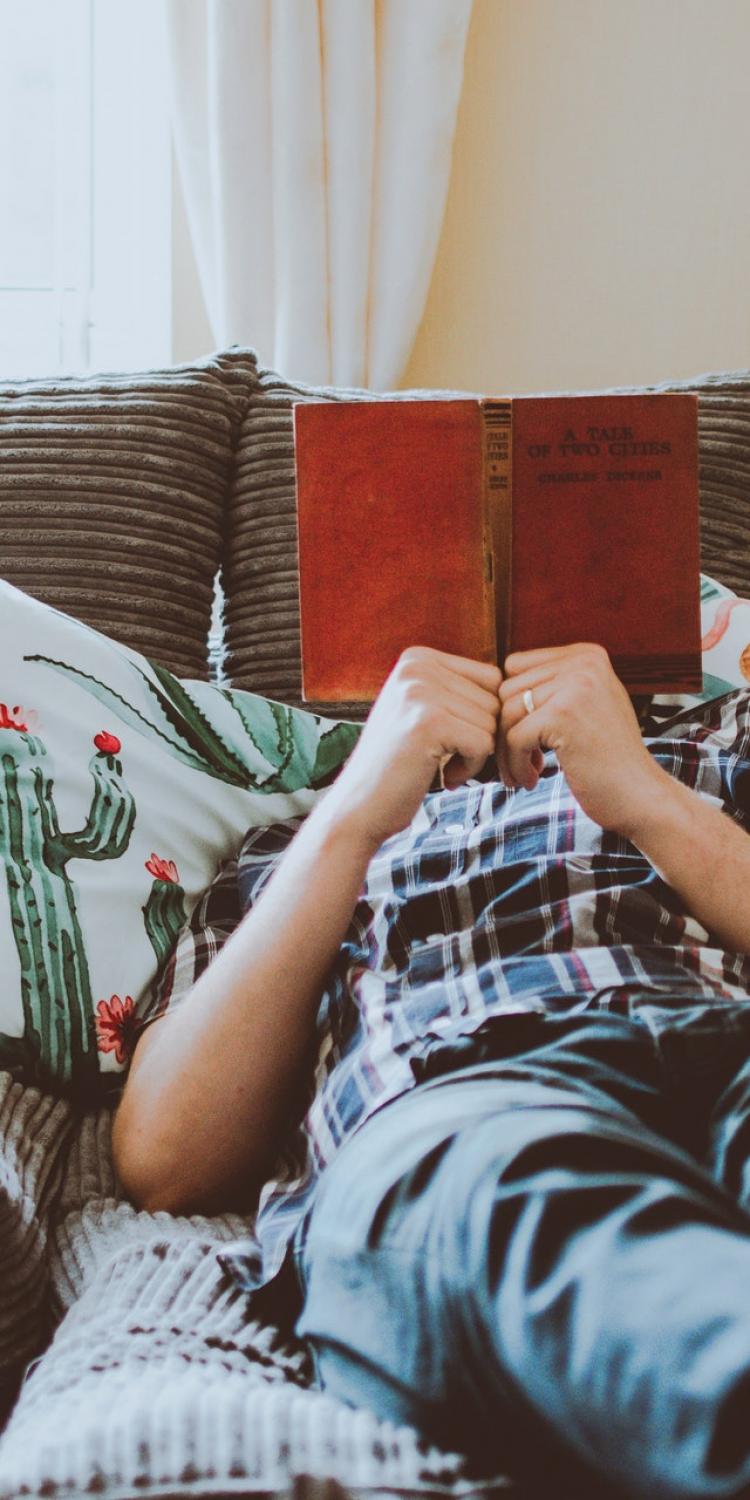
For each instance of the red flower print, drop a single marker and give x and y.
(13, 718)
(163, 869)
(117, 1026)
(107, 743)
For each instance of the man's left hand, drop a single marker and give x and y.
(583, 712)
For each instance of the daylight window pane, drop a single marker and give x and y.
(84, 175)
(27, 142)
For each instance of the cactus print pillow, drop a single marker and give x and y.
(122, 788)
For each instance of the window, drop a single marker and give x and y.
(85, 183)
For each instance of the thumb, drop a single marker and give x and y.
(458, 769)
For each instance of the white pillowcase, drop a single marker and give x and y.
(122, 789)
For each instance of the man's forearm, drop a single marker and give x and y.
(212, 1084)
(701, 853)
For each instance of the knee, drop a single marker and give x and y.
(519, 1197)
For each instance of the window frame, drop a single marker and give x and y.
(107, 305)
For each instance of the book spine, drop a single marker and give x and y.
(497, 428)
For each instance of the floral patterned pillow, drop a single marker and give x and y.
(725, 629)
(122, 788)
(725, 641)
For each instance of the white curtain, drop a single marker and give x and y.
(314, 143)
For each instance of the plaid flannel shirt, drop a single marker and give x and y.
(491, 900)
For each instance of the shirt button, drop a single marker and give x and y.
(454, 828)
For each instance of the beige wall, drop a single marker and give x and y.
(597, 230)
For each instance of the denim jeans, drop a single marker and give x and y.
(543, 1259)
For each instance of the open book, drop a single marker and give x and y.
(482, 527)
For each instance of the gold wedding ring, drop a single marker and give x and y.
(528, 700)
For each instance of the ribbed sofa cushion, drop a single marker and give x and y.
(112, 494)
(262, 582)
(724, 457)
(34, 1129)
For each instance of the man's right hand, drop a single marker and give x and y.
(434, 709)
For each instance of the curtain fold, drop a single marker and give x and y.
(314, 142)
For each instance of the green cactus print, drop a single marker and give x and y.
(164, 913)
(240, 738)
(58, 1046)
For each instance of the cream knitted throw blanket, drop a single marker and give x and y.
(155, 1382)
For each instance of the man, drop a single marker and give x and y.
(515, 1213)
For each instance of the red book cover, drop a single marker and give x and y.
(480, 527)
(606, 532)
(391, 539)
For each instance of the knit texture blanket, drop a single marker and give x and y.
(139, 1370)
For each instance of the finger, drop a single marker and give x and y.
(523, 771)
(471, 743)
(513, 706)
(515, 686)
(480, 715)
(523, 740)
(521, 661)
(486, 673)
(470, 716)
(530, 776)
(513, 775)
(471, 694)
(501, 760)
(454, 771)
(521, 758)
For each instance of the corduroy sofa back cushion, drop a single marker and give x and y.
(261, 578)
(34, 1129)
(112, 497)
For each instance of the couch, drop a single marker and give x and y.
(128, 1366)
